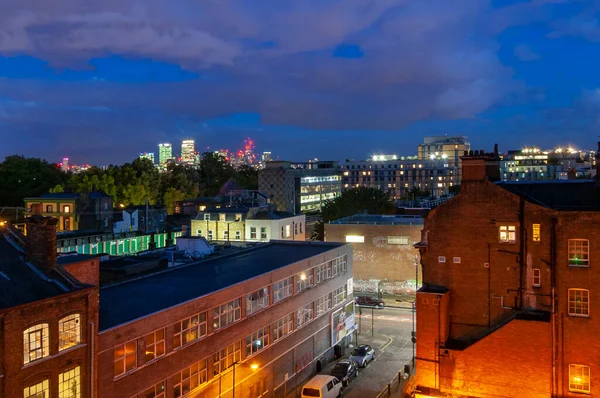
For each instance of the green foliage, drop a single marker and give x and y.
(22, 177)
(58, 189)
(170, 197)
(353, 201)
(247, 177)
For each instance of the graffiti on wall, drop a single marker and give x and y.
(386, 287)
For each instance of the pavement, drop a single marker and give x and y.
(388, 331)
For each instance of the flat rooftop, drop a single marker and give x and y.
(137, 298)
(380, 219)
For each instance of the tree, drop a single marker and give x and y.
(247, 177)
(352, 201)
(214, 172)
(171, 196)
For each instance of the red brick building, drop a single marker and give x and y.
(48, 316)
(506, 307)
(257, 321)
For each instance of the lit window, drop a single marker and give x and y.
(283, 326)
(225, 358)
(156, 391)
(257, 301)
(508, 233)
(252, 232)
(257, 341)
(579, 252)
(536, 232)
(537, 277)
(304, 280)
(35, 343)
(69, 332)
(397, 240)
(283, 289)
(238, 217)
(579, 378)
(221, 217)
(69, 384)
(155, 345)
(355, 239)
(288, 231)
(188, 379)
(226, 314)
(66, 209)
(125, 357)
(40, 390)
(579, 302)
(189, 329)
(238, 235)
(49, 208)
(201, 208)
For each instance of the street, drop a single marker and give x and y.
(391, 339)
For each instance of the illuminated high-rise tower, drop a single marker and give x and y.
(165, 153)
(187, 151)
(64, 166)
(147, 155)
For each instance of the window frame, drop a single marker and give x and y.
(225, 234)
(283, 326)
(124, 357)
(206, 216)
(62, 330)
(536, 233)
(252, 232)
(44, 386)
(322, 305)
(304, 315)
(238, 235)
(191, 325)
(156, 342)
(398, 240)
(30, 346)
(286, 289)
(505, 231)
(255, 303)
(537, 279)
(577, 306)
(339, 295)
(263, 233)
(231, 315)
(261, 335)
(224, 358)
(583, 250)
(303, 284)
(581, 370)
(76, 376)
(210, 235)
(187, 375)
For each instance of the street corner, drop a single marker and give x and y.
(378, 341)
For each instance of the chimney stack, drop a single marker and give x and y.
(480, 166)
(41, 239)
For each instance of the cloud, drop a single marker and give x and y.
(525, 53)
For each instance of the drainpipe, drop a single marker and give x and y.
(553, 300)
(92, 356)
(522, 238)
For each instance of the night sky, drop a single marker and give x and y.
(101, 81)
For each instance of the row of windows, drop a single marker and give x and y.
(36, 339)
(65, 208)
(391, 240)
(69, 386)
(194, 328)
(285, 232)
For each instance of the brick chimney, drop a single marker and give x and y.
(41, 239)
(481, 166)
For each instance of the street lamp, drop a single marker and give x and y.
(253, 366)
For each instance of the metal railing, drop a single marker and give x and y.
(396, 384)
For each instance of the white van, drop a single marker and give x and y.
(322, 386)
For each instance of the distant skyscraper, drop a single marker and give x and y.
(64, 166)
(267, 157)
(187, 151)
(147, 155)
(165, 153)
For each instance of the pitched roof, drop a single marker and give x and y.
(565, 195)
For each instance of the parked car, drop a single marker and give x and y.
(369, 301)
(363, 354)
(345, 370)
(322, 386)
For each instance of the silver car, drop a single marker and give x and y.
(363, 354)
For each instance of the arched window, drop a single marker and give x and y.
(69, 331)
(35, 343)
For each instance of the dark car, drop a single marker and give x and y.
(369, 301)
(345, 370)
(362, 355)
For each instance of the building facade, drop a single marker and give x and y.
(384, 254)
(506, 307)
(448, 148)
(147, 155)
(144, 219)
(59, 205)
(256, 330)
(300, 187)
(188, 151)
(248, 224)
(165, 153)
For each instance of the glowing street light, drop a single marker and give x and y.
(302, 277)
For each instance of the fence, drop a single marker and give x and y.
(396, 384)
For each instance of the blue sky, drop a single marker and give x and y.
(102, 81)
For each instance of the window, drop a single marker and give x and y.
(210, 235)
(507, 233)
(288, 231)
(283, 289)
(207, 217)
(35, 343)
(225, 235)
(225, 358)
(263, 233)
(125, 357)
(222, 217)
(189, 329)
(300, 227)
(339, 295)
(536, 233)
(397, 240)
(69, 332)
(296, 229)
(257, 301)
(238, 217)
(49, 208)
(355, 239)
(323, 305)
(335, 266)
(188, 379)
(40, 390)
(238, 235)
(282, 235)
(69, 384)
(304, 315)
(252, 232)
(304, 280)
(257, 341)
(156, 391)
(537, 277)
(66, 209)
(283, 326)
(199, 232)
(579, 302)
(321, 272)
(226, 314)
(155, 345)
(579, 378)
(579, 252)
(441, 259)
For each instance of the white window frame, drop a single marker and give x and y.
(154, 348)
(66, 389)
(581, 248)
(252, 232)
(210, 235)
(339, 295)
(190, 378)
(398, 240)
(307, 282)
(579, 378)
(225, 234)
(156, 391)
(355, 239)
(257, 301)
(224, 359)
(262, 337)
(183, 328)
(222, 217)
(263, 233)
(36, 343)
(69, 331)
(323, 304)
(304, 315)
(507, 233)
(238, 235)
(283, 289)
(227, 314)
(283, 326)
(537, 277)
(576, 298)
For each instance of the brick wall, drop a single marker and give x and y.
(87, 272)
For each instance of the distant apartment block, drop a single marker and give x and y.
(300, 187)
(147, 155)
(188, 152)
(165, 153)
(145, 219)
